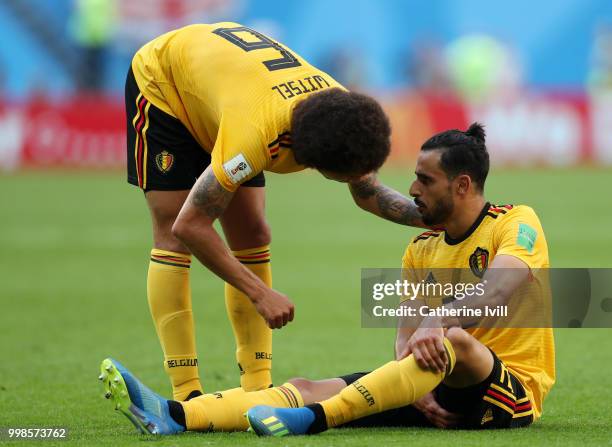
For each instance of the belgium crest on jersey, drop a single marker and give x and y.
(479, 261)
(164, 161)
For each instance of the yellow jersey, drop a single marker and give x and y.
(234, 90)
(509, 230)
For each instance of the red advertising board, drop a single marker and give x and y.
(81, 132)
(545, 129)
(551, 129)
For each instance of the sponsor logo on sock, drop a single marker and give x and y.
(364, 392)
(263, 356)
(182, 362)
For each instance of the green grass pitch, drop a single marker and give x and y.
(73, 258)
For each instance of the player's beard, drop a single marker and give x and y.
(441, 211)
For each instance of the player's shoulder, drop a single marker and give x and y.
(496, 211)
(507, 213)
(425, 241)
(421, 244)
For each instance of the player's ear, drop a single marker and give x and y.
(463, 184)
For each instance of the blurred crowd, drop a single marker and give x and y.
(98, 38)
(97, 27)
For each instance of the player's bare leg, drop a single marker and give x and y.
(169, 294)
(164, 206)
(244, 221)
(248, 235)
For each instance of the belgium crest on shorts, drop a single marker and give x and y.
(164, 161)
(479, 261)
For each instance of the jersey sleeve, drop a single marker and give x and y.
(239, 153)
(520, 234)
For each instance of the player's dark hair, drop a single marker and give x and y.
(340, 131)
(463, 153)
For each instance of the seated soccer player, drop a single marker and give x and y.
(487, 378)
(443, 375)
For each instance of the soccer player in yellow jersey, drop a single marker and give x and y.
(475, 378)
(209, 109)
(443, 375)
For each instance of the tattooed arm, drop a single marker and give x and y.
(206, 202)
(371, 195)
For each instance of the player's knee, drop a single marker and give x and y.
(183, 233)
(164, 238)
(258, 233)
(179, 230)
(460, 339)
(304, 386)
(301, 383)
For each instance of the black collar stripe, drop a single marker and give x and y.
(450, 241)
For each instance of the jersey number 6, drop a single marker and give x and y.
(230, 34)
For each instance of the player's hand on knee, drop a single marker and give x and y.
(426, 344)
(434, 413)
(402, 349)
(275, 308)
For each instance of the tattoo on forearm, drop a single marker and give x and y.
(363, 189)
(397, 207)
(210, 196)
(391, 204)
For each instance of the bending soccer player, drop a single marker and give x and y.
(443, 375)
(209, 109)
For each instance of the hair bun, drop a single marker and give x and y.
(476, 130)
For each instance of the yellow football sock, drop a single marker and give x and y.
(224, 411)
(394, 385)
(253, 336)
(169, 297)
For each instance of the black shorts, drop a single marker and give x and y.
(498, 402)
(161, 153)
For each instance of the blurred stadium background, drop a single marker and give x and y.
(75, 237)
(539, 77)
